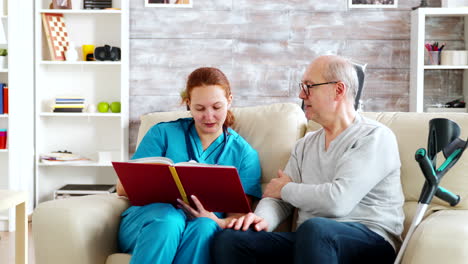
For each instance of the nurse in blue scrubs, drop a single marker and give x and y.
(162, 233)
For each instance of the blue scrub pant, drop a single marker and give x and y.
(160, 233)
(318, 240)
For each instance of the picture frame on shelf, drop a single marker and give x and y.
(61, 4)
(169, 3)
(372, 3)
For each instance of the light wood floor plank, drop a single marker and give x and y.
(7, 247)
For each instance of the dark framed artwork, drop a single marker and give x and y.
(372, 3)
(168, 3)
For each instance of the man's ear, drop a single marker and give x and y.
(340, 90)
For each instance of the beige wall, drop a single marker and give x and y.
(264, 45)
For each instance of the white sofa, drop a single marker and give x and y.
(84, 230)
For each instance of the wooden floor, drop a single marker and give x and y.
(7, 247)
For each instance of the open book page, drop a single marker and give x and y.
(168, 161)
(193, 163)
(157, 160)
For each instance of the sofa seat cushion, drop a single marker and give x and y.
(64, 229)
(118, 258)
(410, 207)
(441, 238)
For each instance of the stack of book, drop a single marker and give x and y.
(69, 105)
(97, 4)
(71, 190)
(62, 157)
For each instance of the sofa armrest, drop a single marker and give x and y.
(77, 230)
(440, 238)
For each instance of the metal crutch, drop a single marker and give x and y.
(443, 135)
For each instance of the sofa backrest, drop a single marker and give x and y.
(270, 129)
(411, 130)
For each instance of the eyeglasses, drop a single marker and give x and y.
(305, 87)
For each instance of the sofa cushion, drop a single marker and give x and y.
(441, 238)
(119, 258)
(270, 129)
(411, 130)
(66, 228)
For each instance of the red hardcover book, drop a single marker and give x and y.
(158, 180)
(5, 99)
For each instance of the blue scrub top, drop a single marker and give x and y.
(168, 139)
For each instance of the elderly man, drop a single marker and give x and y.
(344, 179)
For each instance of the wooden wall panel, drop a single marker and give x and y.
(383, 82)
(264, 46)
(442, 85)
(212, 24)
(160, 66)
(267, 81)
(386, 89)
(391, 103)
(447, 28)
(315, 6)
(198, 4)
(376, 53)
(180, 52)
(346, 25)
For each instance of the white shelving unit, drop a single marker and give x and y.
(17, 161)
(97, 81)
(418, 31)
(4, 119)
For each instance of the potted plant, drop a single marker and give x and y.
(3, 58)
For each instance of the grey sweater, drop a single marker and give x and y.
(356, 180)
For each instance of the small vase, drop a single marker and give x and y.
(3, 62)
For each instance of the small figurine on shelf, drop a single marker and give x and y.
(71, 54)
(91, 108)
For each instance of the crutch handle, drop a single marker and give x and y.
(447, 196)
(426, 166)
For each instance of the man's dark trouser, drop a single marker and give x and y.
(317, 240)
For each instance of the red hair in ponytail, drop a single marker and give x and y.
(206, 76)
